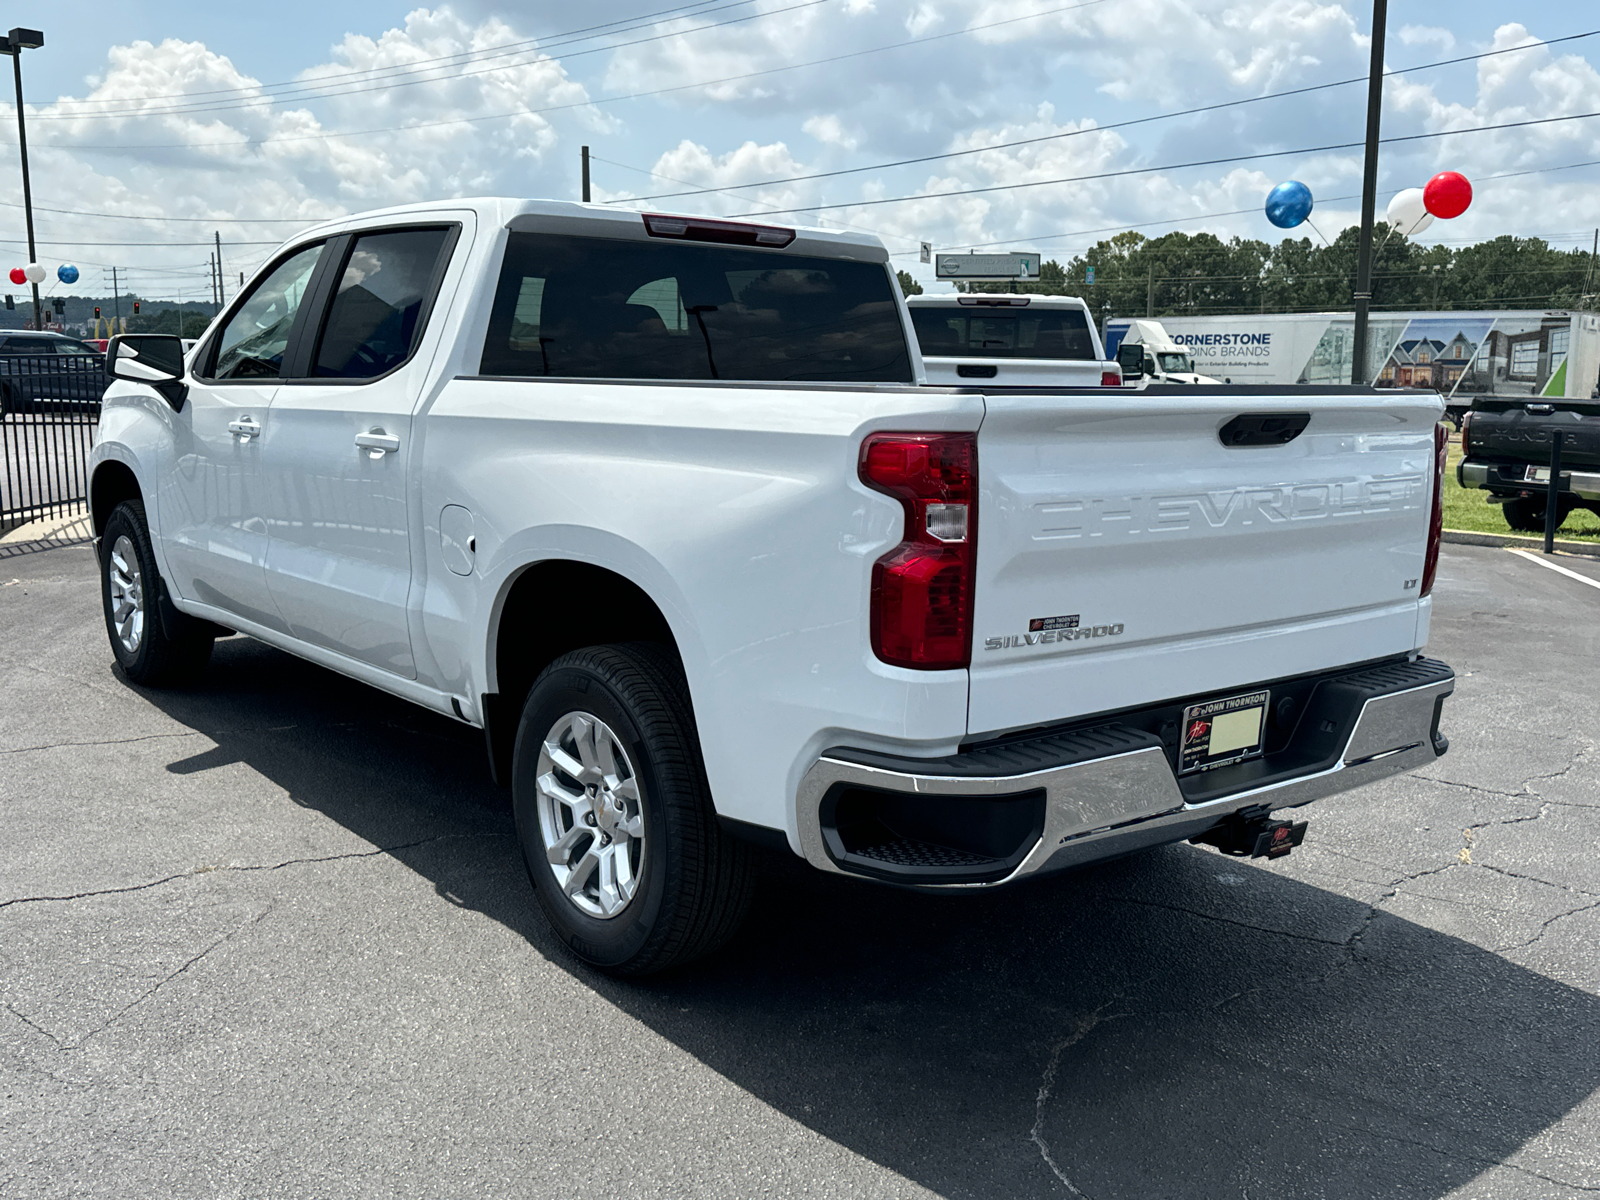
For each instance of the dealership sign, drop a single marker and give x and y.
(1021, 267)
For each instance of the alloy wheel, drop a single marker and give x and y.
(590, 814)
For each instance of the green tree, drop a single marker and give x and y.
(908, 285)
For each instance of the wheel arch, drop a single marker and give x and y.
(546, 609)
(113, 482)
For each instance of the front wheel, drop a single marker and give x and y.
(129, 587)
(614, 815)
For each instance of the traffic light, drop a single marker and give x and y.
(60, 306)
(136, 308)
(10, 303)
(96, 312)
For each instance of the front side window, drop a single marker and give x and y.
(1002, 333)
(75, 348)
(604, 308)
(376, 314)
(252, 343)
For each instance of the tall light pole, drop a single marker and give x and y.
(1369, 192)
(14, 44)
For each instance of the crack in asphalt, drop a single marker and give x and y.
(148, 737)
(1545, 927)
(290, 862)
(1455, 1152)
(1047, 1082)
(1205, 916)
(127, 1008)
(39, 1029)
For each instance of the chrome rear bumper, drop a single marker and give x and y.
(1100, 807)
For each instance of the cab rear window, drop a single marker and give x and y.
(602, 308)
(1060, 333)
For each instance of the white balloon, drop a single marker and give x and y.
(1408, 213)
(34, 272)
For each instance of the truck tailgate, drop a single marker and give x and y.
(1126, 556)
(1523, 431)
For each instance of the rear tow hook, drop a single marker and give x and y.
(1257, 837)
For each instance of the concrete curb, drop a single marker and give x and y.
(1461, 537)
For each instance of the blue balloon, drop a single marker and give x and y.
(1289, 204)
(67, 273)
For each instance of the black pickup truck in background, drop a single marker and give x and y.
(1506, 444)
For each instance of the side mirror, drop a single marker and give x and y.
(1131, 359)
(152, 358)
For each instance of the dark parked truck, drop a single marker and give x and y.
(1507, 446)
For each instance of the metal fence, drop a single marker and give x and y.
(49, 407)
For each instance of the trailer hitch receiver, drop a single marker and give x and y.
(1256, 837)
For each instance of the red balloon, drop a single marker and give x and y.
(1447, 195)
(18, 276)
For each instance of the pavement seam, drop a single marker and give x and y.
(1205, 916)
(290, 862)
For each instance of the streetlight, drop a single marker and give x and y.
(14, 44)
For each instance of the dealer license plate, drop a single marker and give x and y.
(1220, 732)
(1538, 475)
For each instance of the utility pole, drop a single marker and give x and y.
(586, 174)
(1369, 192)
(1150, 293)
(116, 297)
(220, 297)
(14, 44)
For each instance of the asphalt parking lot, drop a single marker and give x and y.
(271, 937)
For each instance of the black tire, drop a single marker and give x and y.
(152, 658)
(1525, 514)
(693, 883)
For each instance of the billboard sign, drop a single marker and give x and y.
(1022, 267)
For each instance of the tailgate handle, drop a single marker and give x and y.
(1263, 429)
(976, 371)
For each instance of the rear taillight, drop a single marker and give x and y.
(1441, 455)
(1111, 378)
(922, 589)
(704, 229)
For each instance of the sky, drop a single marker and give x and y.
(174, 122)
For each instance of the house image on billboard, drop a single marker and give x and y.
(1428, 362)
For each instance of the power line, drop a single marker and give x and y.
(1236, 212)
(533, 112)
(183, 110)
(1207, 162)
(78, 212)
(1051, 137)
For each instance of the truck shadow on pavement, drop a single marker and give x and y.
(1174, 1024)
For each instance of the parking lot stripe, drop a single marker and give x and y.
(1534, 558)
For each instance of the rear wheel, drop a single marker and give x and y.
(614, 815)
(1525, 514)
(129, 588)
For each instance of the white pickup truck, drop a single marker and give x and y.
(1014, 341)
(666, 506)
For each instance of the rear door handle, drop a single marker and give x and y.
(245, 427)
(377, 441)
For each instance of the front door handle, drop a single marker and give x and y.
(245, 427)
(377, 441)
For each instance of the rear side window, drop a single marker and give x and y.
(1060, 333)
(602, 308)
(377, 310)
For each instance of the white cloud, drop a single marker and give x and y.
(828, 129)
(196, 137)
(1428, 35)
